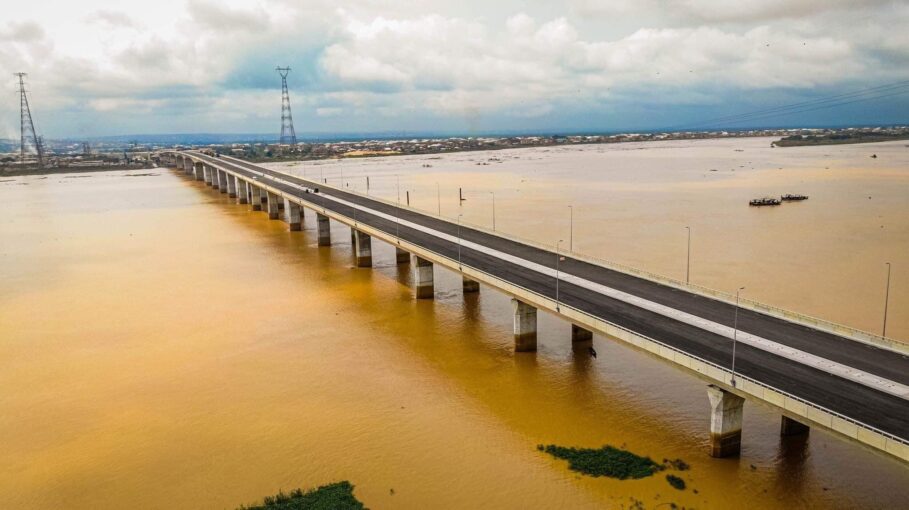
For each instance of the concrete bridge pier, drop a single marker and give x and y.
(207, 174)
(422, 277)
(293, 213)
(725, 422)
(401, 256)
(272, 206)
(790, 427)
(469, 285)
(579, 334)
(231, 186)
(242, 191)
(525, 326)
(362, 249)
(199, 172)
(222, 181)
(187, 164)
(215, 176)
(324, 230)
(255, 201)
(188, 169)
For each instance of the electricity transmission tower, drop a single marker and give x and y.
(288, 135)
(27, 124)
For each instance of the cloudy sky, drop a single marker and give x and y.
(207, 66)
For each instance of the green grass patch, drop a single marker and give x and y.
(335, 496)
(676, 482)
(606, 461)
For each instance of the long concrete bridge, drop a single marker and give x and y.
(814, 373)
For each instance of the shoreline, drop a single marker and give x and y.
(69, 170)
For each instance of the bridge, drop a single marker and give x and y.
(813, 372)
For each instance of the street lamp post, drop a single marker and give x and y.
(557, 274)
(398, 210)
(688, 260)
(886, 301)
(493, 210)
(735, 331)
(570, 229)
(459, 241)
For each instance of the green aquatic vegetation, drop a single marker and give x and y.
(334, 496)
(606, 461)
(676, 482)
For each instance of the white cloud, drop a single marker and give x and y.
(465, 61)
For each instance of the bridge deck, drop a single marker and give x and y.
(862, 402)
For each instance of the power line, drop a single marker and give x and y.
(822, 107)
(837, 100)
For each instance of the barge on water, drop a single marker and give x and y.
(792, 198)
(764, 201)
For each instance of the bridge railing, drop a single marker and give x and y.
(737, 376)
(775, 311)
(723, 370)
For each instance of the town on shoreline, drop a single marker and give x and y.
(68, 156)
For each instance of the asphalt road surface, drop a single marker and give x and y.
(879, 409)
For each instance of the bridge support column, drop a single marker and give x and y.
(469, 285)
(231, 186)
(272, 206)
(255, 202)
(579, 334)
(422, 277)
(223, 178)
(324, 230)
(525, 326)
(401, 256)
(207, 174)
(215, 177)
(188, 169)
(725, 422)
(363, 249)
(242, 191)
(200, 172)
(292, 212)
(187, 164)
(790, 427)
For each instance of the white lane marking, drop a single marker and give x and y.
(824, 364)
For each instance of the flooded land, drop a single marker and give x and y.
(164, 347)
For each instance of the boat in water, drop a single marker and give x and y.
(791, 198)
(764, 201)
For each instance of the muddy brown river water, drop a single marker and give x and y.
(164, 347)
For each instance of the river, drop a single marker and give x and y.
(163, 347)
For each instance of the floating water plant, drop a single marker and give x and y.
(606, 461)
(676, 482)
(335, 496)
